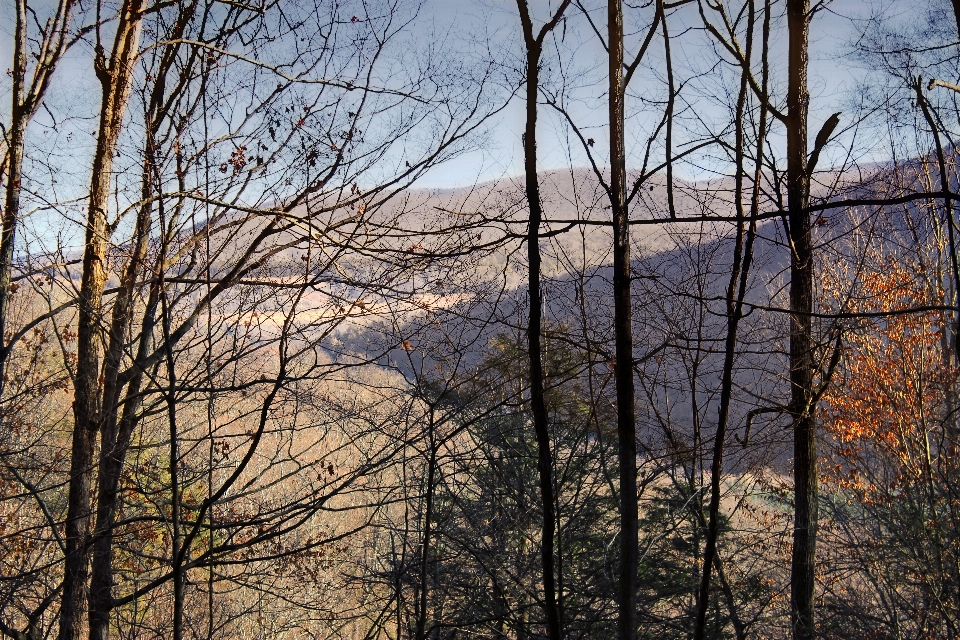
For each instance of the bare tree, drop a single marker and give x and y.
(735, 296)
(116, 77)
(129, 363)
(52, 40)
(533, 44)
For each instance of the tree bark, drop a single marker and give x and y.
(115, 80)
(535, 352)
(623, 336)
(538, 408)
(806, 492)
(14, 162)
(11, 216)
(115, 435)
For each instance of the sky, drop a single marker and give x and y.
(492, 27)
(832, 31)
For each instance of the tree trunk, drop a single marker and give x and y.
(115, 435)
(423, 594)
(538, 408)
(736, 293)
(535, 352)
(11, 215)
(11, 208)
(14, 160)
(178, 549)
(24, 104)
(115, 80)
(623, 336)
(801, 328)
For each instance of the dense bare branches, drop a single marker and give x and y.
(257, 380)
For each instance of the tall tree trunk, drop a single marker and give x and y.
(11, 216)
(534, 47)
(623, 335)
(115, 80)
(535, 352)
(736, 293)
(177, 550)
(423, 595)
(14, 166)
(115, 435)
(23, 105)
(806, 491)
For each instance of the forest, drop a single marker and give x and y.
(506, 319)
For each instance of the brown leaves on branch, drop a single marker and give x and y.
(893, 384)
